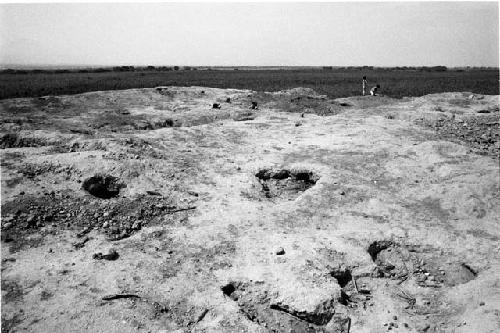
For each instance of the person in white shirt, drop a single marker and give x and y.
(374, 90)
(364, 85)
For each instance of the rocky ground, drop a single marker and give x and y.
(211, 210)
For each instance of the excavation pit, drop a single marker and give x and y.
(427, 266)
(256, 302)
(103, 186)
(285, 184)
(342, 275)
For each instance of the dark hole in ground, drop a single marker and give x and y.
(228, 289)
(284, 183)
(344, 298)
(376, 247)
(342, 275)
(102, 186)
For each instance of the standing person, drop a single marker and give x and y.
(373, 91)
(364, 85)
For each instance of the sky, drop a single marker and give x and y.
(251, 34)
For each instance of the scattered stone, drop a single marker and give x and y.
(7, 225)
(153, 193)
(31, 220)
(117, 296)
(228, 100)
(85, 231)
(9, 260)
(481, 303)
(254, 106)
(111, 255)
(81, 243)
(136, 225)
(297, 124)
(280, 251)
(216, 106)
(364, 290)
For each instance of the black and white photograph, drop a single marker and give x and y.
(250, 167)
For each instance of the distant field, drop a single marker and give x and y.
(334, 83)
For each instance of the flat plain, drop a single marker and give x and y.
(333, 83)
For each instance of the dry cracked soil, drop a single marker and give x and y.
(217, 210)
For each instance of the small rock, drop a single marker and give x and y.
(424, 328)
(280, 251)
(395, 317)
(364, 290)
(85, 231)
(81, 243)
(105, 224)
(31, 221)
(6, 237)
(7, 225)
(136, 225)
(481, 303)
(111, 255)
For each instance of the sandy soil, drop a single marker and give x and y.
(148, 210)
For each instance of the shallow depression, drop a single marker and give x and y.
(285, 184)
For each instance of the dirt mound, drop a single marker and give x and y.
(247, 220)
(479, 132)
